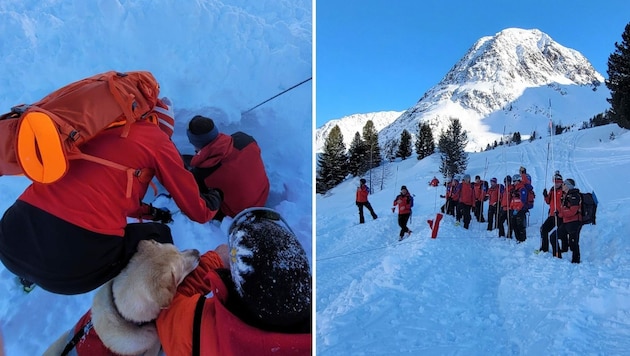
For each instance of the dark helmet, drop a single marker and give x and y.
(362, 180)
(508, 179)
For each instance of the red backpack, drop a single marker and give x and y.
(39, 140)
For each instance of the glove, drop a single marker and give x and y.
(545, 193)
(556, 213)
(213, 198)
(357, 203)
(162, 215)
(393, 209)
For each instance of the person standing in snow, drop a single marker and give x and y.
(571, 221)
(466, 200)
(71, 236)
(455, 194)
(362, 201)
(525, 177)
(252, 296)
(518, 208)
(480, 188)
(504, 206)
(553, 198)
(493, 195)
(404, 201)
(231, 164)
(451, 203)
(434, 182)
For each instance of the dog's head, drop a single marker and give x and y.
(150, 280)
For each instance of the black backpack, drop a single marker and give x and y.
(588, 208)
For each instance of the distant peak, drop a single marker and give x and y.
(516, 55)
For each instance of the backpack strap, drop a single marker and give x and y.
(126, 104)
(143, 174)
(196, 335)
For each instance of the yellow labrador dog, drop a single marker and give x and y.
(121, 320)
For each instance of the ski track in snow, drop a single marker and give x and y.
(469, 292)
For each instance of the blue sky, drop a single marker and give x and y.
(374, 55)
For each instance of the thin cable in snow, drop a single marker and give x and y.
(277, 95)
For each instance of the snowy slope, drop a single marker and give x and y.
(469, 292)
(217, 58)
(352, 124)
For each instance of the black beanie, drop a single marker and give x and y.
(269, 268)
(201, 131)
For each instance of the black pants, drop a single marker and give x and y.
(503, 217)
(369, 207)
(63, 258)
(449, 207)
(402, 222)
(479, 211)
(518, 225)
(464, 213)
(550, 223)
(492, 216)
(569, 232)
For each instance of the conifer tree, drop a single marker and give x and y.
(333, 162)
(451, 145)
(516, 138)
(390, 149)
(425, 146)
(619, 81)
(404, 149)
(357, 162)
(370, 136)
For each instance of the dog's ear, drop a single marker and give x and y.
(168, 287)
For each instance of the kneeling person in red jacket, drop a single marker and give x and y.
(251, 298)
(231, 164)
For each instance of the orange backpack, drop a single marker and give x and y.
(39, 140)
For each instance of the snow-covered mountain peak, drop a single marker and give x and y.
(505, 83)
(530, 57)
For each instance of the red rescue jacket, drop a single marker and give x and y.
(494, 193)
(519, 197)
(233, 164)
(362, 193)
(454, 191)
(222, 333)
(92, 195)
(506, 197)
(467, 194)
(554, 199)
(404, 202)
